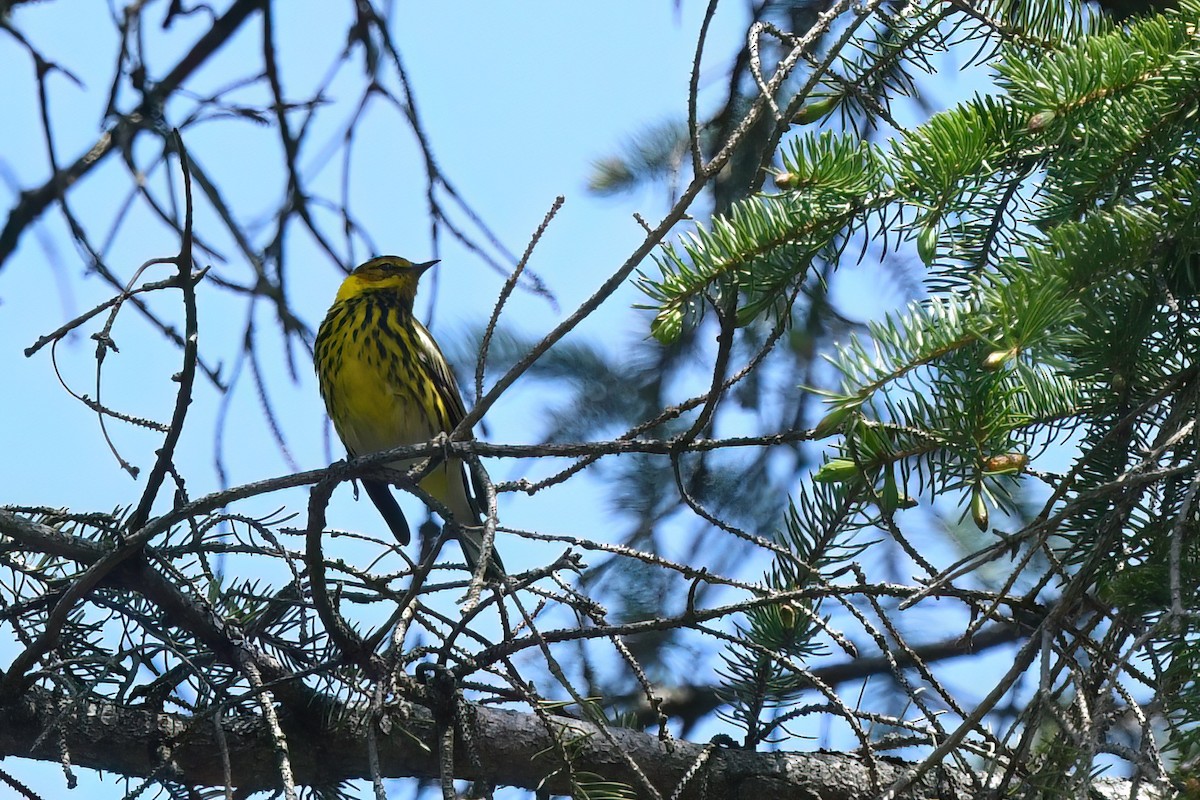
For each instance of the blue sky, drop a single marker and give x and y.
(517, 98)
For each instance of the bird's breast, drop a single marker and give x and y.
(374, 397)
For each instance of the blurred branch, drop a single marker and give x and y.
(34, 202)
(690, 703)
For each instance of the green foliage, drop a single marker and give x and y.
(654, 154)
(1057, 218)
(765, 243)
(766, 673)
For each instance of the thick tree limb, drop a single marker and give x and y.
(330, 747)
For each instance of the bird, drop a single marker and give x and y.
(386, 384)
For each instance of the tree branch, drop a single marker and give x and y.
(330, 749)
(34, 202)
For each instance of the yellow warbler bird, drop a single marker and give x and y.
(386, 384)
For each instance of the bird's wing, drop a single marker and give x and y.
(447, 388)
(443, 377)
(470, 539)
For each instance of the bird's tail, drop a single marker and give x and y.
(470, 539)
(381, 495)
(449, 484)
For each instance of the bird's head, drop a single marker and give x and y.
(391, 274)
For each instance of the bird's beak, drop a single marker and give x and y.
(420, 268)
